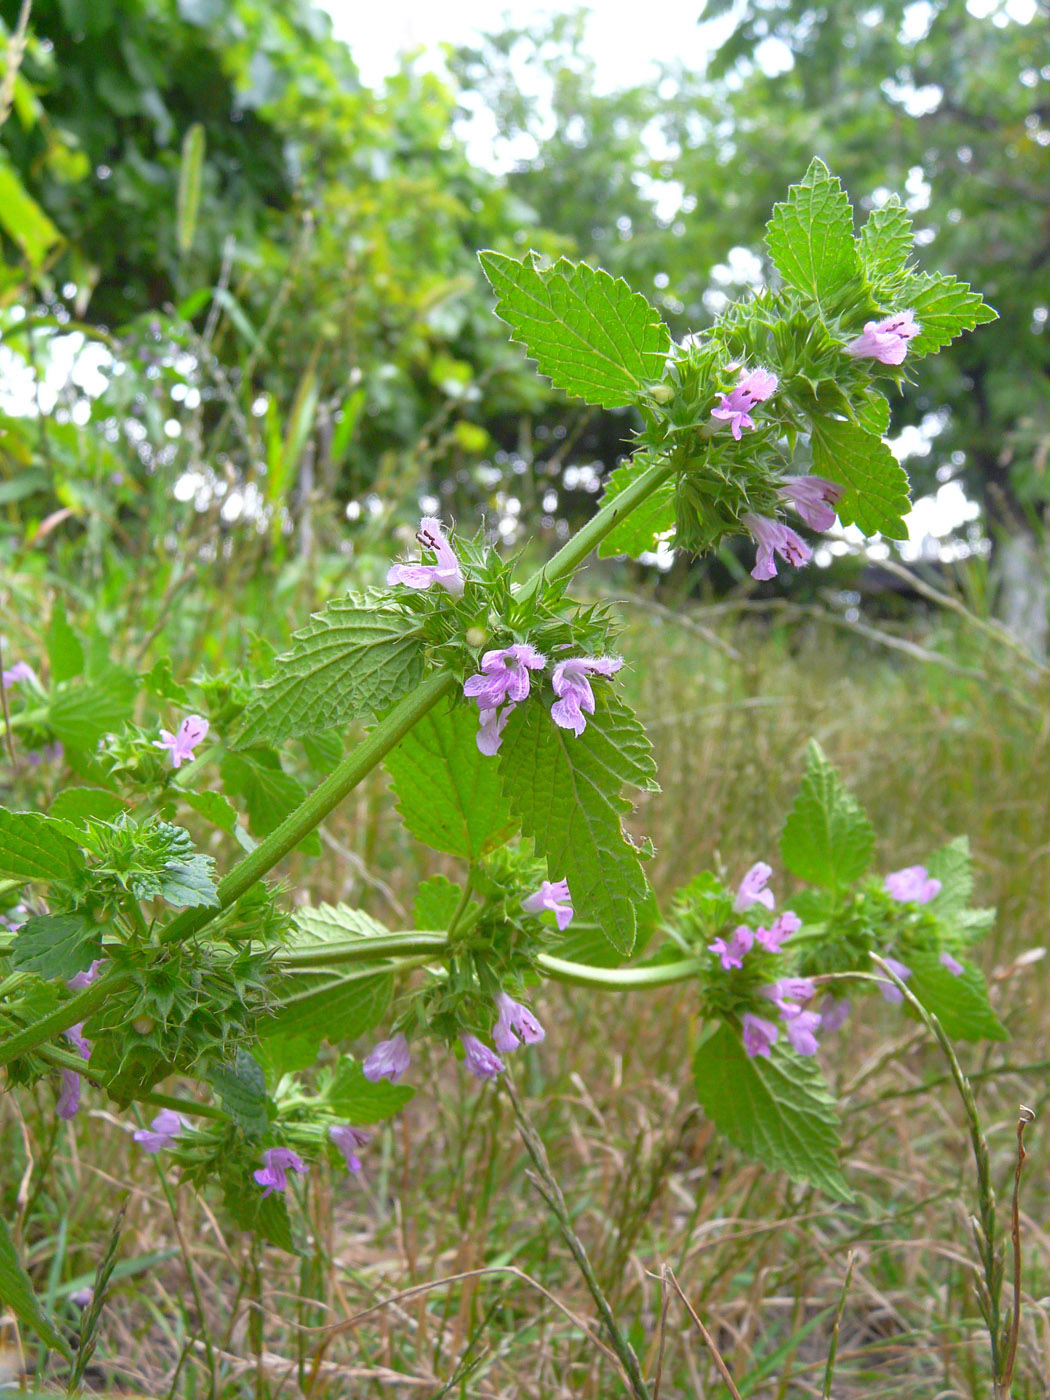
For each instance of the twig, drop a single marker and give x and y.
(709, 1342)
(1025, 1117)
(15, 52)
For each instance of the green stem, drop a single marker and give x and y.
(391, 945)
(618, 979)
(67, 1059)
(78, 1008)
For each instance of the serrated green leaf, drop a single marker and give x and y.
(876, 495)
(827, 838)
(187, 883)
(642, 528)
(81, 714)
(352, 659)
(587, 331)
(944, 308)
(268, 791)
(241, 1087)
(333, 923)
(32, 847)
(873, 413)
(359, 1101)
(251, 1210)
(448, 793)
(951, 865)
(777, 1110)
(213, 807)
(885, 242)
(64, 651)
(16, 1292)
(567, 792)
(159, 681)
(960, 1003)
(437, 899)
(810, 237)
(80, 804)
(56, 945)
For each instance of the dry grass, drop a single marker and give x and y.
(437, 1274)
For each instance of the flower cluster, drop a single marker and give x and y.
(912, 885)
(504, 682)
(445, 572)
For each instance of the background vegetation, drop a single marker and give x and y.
(260, 275)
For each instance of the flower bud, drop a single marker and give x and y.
(476, 636)
(142, 1025)
(662, 393)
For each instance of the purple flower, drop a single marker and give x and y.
(732, 954)
(813, 498)
(446, 573)
(278, 1160)
(516, 1024)
(771, 535)
(490, 729)
(800, 1031)
(574, 689)
(504, 676)
(885, 341)
(553, 896)
(912, 885)
(191, 732)
(888, 990)
(388, 1060)
(82, 1297)
(736, 406)
(752, 888)
(20, 671)
(50, 753)
(953, 965)
(69, 1097)
(348, 1140)
(781, 928)
(161, 1133)
(833, 1013)
(20, 912)
(760, 1035)
(75, 1036)
(80, 980)
(482, 1062)
(789, 995)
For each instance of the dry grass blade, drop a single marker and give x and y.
(1025, 1116)
(716, 1355)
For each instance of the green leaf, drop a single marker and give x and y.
(944, 308)
(353, 658)
(268, 791)
(873, 413)
(56, 945)
(827, 838)
(810, 237)
(876, 496)
(63, 647)
(16, 1292)
(437, 899)
(778, 1109)
(960, 1003)
(587, 331)
(188, 197)
(333, 923)
(357, 1100)
(23, 220)
(81, 804)
(567, 793)
(213, 807)
(160, 682)
(241, 1087)
(448, 793)
(886, 242)
(951, 865)
(187, 882)
(33, 848)
(81, 714)
(643, 528)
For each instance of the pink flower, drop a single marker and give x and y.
(953, 965)
(789, 995)
(800, 1031)
(555, 898)
(348, 1140)
(885, 341)
(504, 676)
(912, 885)
(20, 671)
(732, 954)
(781, 928)
(813, 498)
(516, 1024)
(760, 1035)
(388, 1060)
(574, 689)
(191, 732)
(80, 980)
(278, 1161)
(752, 888)
(833, 1012)
(482, 1062)
(490, 729)
(771, 535)
(735, 407)
(889, 991)
(161, 1133)
(69, 1097)
(446, 573)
